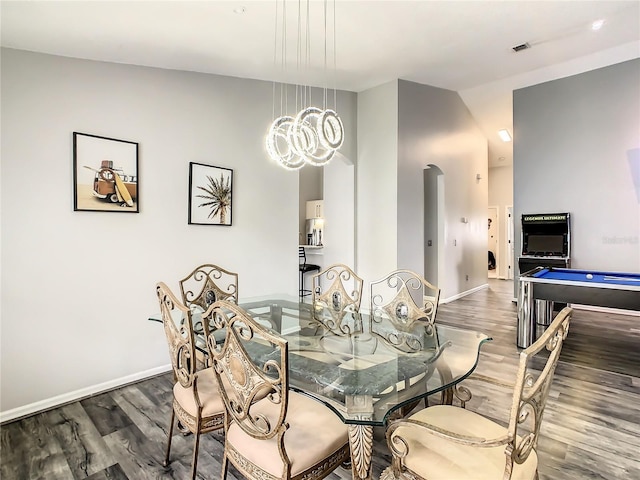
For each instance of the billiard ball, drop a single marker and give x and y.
(589, 276)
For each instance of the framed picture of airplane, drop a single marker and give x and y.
(105, 174)
(210, 195)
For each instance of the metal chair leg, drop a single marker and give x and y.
(170, 434)
(194, 462)
(225, 466)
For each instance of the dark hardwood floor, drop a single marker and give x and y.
(591, 427)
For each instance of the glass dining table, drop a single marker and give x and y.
(361, 373)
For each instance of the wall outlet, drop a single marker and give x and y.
(455, 242)
(466, 277)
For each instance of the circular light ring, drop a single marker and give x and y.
(312, 137)
(302, 134)
(277, 137)
(330, 130)
(306, 137)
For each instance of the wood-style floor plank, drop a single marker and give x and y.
(590, 430)
(114, 472)
(81, 442)
(31, 451)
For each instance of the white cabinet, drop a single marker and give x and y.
(315, 209)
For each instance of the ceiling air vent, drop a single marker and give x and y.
(523, 46)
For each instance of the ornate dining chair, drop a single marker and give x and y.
(202, 287)
(271, 432)
(403, 311)
(341, 296)
(196, 401)
(207, 284)
(444, 442)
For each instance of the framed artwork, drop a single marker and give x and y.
(210, 195)
(105, 174)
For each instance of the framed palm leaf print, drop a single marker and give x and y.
(210, 195)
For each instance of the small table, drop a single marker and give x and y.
(356, 373)
(567, 285)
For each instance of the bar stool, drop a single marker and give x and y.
(305, 267)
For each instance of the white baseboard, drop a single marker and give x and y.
(76, 395)
(464, 294)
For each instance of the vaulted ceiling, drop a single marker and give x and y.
(466, 46)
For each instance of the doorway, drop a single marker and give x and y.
(492, 242)
(433, 180)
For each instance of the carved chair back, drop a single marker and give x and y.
(403, 310)
(337, 292)
(178, 328)
(251, 366)
(533, 381)
(207, 284)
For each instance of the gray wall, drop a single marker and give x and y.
(576, 150)
(435, 127)
(78, 287)
(402, 128)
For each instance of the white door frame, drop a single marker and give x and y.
(496, 209)
(510, 242)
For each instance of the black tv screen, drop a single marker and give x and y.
(545, 244)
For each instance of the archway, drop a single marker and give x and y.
(433, 179)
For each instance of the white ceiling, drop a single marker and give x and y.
(464, 46)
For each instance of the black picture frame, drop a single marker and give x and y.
(105, 174)
(210, 195)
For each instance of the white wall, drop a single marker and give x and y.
(78, 287)
(577, 150)
(339, 212)
(501, 196)
(435, 127)
(376, 183)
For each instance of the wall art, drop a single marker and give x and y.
(210, 195)
(105, 174)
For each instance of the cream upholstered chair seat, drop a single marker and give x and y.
(441, 459)
(197, 403)
(271, 432)
(207, 388)
(446, 442)
(315, 434)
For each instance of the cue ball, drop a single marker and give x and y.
(589, 276)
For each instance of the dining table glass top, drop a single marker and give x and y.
(363, 374)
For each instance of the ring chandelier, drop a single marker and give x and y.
(313, 135)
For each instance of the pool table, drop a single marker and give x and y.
(541, 286)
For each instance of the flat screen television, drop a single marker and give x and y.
(544, 245)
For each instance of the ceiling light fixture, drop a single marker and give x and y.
(597, 25)
(312, 135)
(504, 135)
